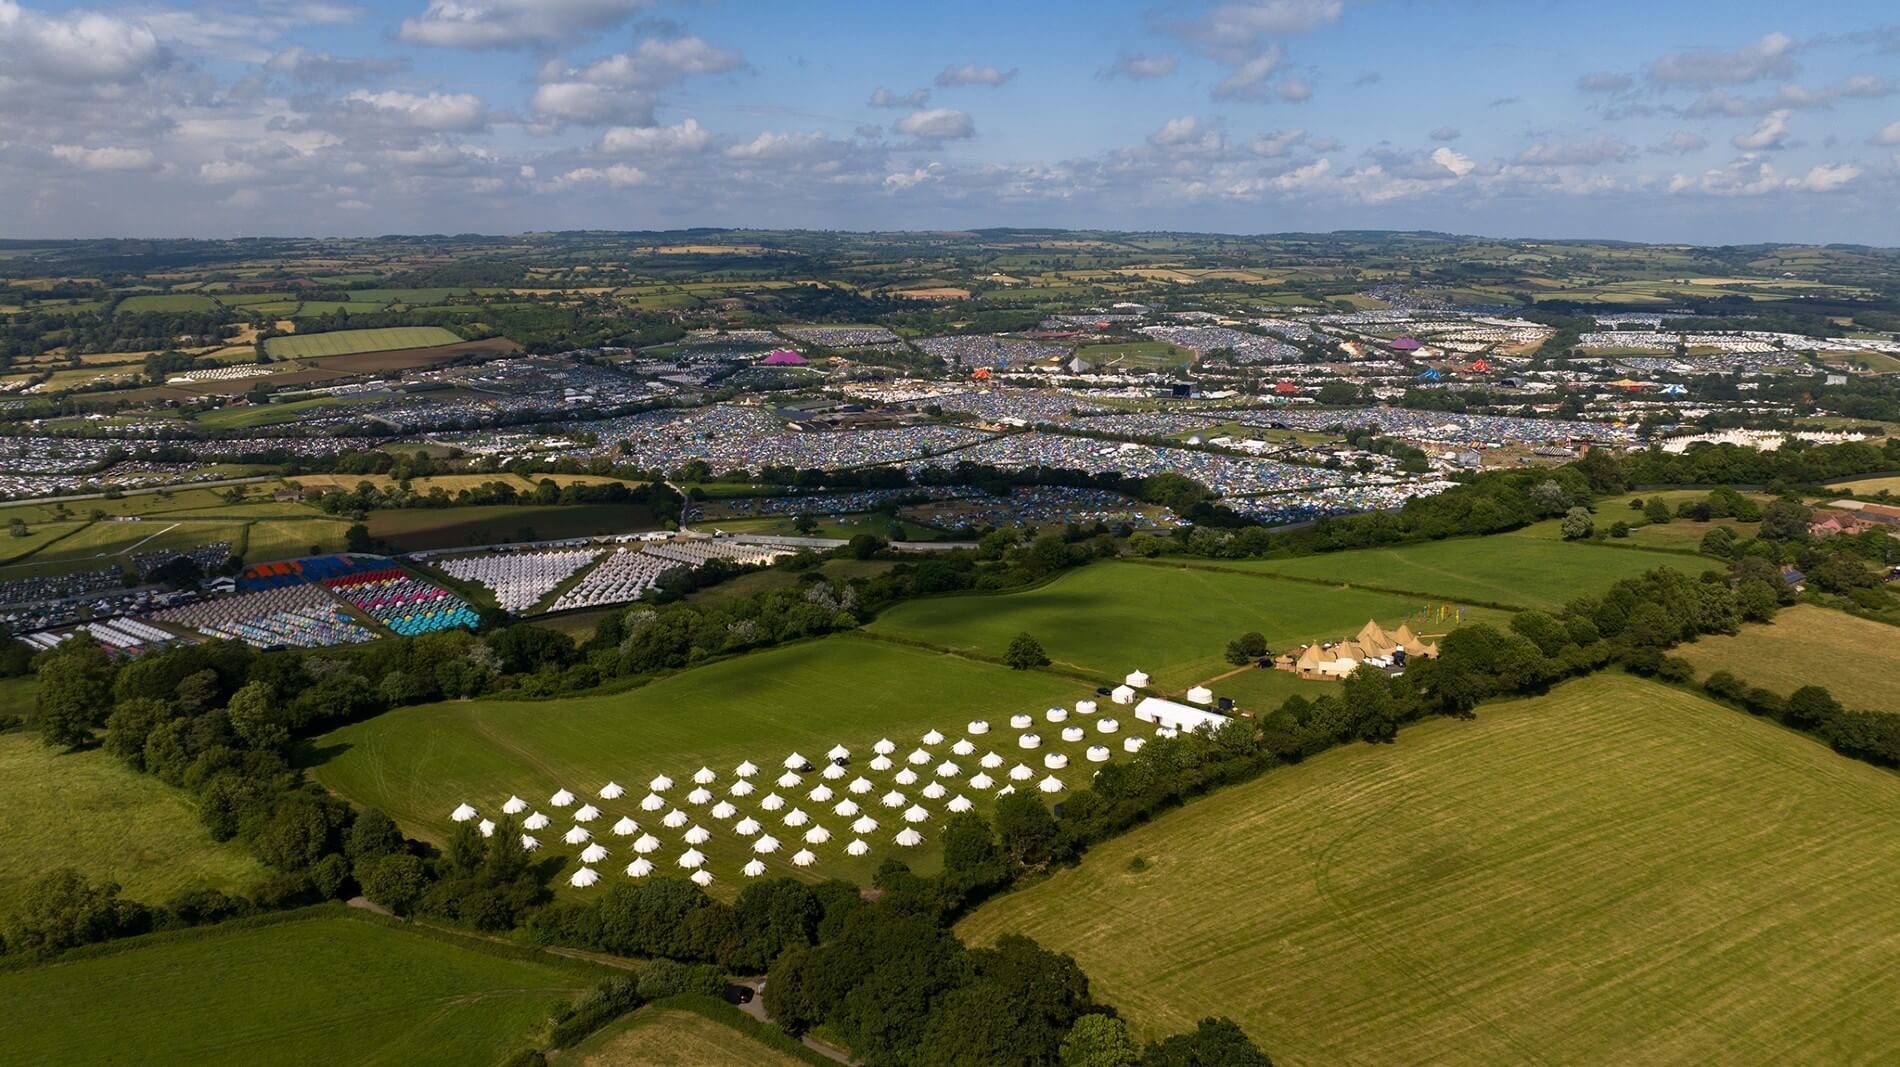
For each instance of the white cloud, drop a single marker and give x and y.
(1826, 177)
(303, 65)
(1233, 30)
(1248, 78)
(1577, 153)
(1889, 134)
(1457, 163)
(1303, 177)
(1445, 133)
(882, 97)
(1142, 67)
(687, 138)
(1605, 82)
(77, 47)
(1276, 144)
(900, 180)
(434, 111)
(1767, 135)
(590, 104)
(783, 146)
(226, 171)
(973, 74)
(936, 124)
(106, 158)
(619, 176)
(1177, 131)
(622, 87)
(1682, 142)
(1294, 90)
(1770, 57)
(1758, 177)
(514, 23)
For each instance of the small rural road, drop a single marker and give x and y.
(756, 1008)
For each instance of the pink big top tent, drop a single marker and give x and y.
(783, 357)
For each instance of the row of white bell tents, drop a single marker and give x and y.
(695, 861)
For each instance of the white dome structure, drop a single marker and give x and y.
(1056, 714)
(640, 868)
(822, 794)
(933, 738)
(529, 842)
(561, 798)
(594, 853)
(796, 817)
(1073, 734)
(963, 747)
(860, 786)
(991, 761)
(947, 769)
(701, 795)
(586, 813)
(1132, 745)
(705, 776)
(934, 791)
(1020, 773)
(646, 843)
(660, 784)
(905, 777)
(753, 868)
(691, 858)
(832, 772)
(583, 878)
(765, 845)
(880, 763)
(1200, 694)
(698, 835)
(674, 819)
(789, 780)
(909, 837)
(1051, 784)
(746, 769)
(1055, 761)
(625, 827)
(702, 878)
(1098, 753)
(724, 810)
(1107, 726)
(575, 835)
(857, 847)
(746, 827)
(652, 802)
(892, 799)
(917, 758)
(742, 788)
(462, 813)
(884, 747)
(772, 802)
(804, 857)
(612, 791)
(978, 726)
(1021, 722)
(1122, 694)
(982, 780)
(864, 825)
(1029, 741)
(959, 804)
(817, 835)
(514, 806)
(1085, 707)
(1136, 679)
(846, 807)
(916, 813)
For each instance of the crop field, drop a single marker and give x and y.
(418, 763)
(1858, 660)
(386, 361)
(1616, 872)
(1524, 571)
(172, 302)
(1868, 486)
(1111, 618)
(87, 811)
(670, 1037)
(329, 989)
(415, 529)
(350, 342)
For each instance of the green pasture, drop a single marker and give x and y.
(171, 302)
(325, 990)
(416, 529)
(1857, 659)
(406, 296)
(670, 1037)
(88, 811)
(1616, 872)
(349, 342)
(1139, 354)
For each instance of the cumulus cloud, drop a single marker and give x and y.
(301, 64)
(623, 87)
(1605, 82)
(619, 176)
(1276, 144)
(1445, 133)
(1458, 164)
(77, 47)
(1681, 143)
(910, 179)
(1758, 177)
(973, 74)
(1888, 135)
(1577, 153)
(436, 112)
(1247, 80)
(105, 158)
(936, 124)
(686, 138)
(1294, 90)
(1187, 134)
(1770, 57)
(1142, 67)
(769, 145)
(1233, 31)
(1771, 133)
(882, 97)
(1827, 177)
(485, 24)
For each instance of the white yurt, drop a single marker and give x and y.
(753, 868)
(981, 780)
(804, 857)
(537, 821)
(698, 835)
(691, 858)
(909, 837)
(702, 878)
(1056, 714)
(817, 835)
(583, 878)
(529, 842)
(1200, 694)
(1055, 761)
(612, 791)
(857, 847)
(959, 803)
(514, 806)
(1021, 722)
(652, 802)
(724, 810)
(1072, 734)
(561, 798)
(1133, 744)
(705, 776)
(1051, 784)
(646, 843)
(978, 726)
(1098, 753)
(674, 819)
(765, 845)
(575, 835)
(746, 827)
(772, 802)
(463, 813)
(846, 807)
(1029, 741)
(640, 868)
(1136, 678)
(594, 853)
(1085, 707)
(1107, 726)
(1123, 695)
(586, 813)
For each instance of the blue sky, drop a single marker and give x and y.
(1705, 122)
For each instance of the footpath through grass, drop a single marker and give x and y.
(323, 990)
(1618, 872)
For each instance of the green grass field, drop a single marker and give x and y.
(670, 1037)
(1137, 354)
(405, 296)
(348, 342)
(415, 529)
(330, 989)
(1522, 570)
(419, 763)
(167, 302)
(87, 811)
(1173, 622)
(1613, 873)
(1856, 659)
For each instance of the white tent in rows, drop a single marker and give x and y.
(796, 817)
(705, 776)
(698, 835)
(753, 868)
(990, 761)
(772, 802)
(822, 794)
(561, 798)
(746, 827)
(905, 777)
(860, 786)
(864, 825)
(846, 807)
(1098, 753)
(583, 878)
(1055, 761)
(765, 845)
(537, 821)
(612, 791)
(880, 763)
(838, 752)
(909, 837)
(514, 806)
(1133, 745)
(1021, 722)
(916, 813)
(690, 858)
(487, 827)
(652, 802)
(833, 772)
(1123, 695)
(796, 762)
(702, 878)
(640, 868)
(1200, 694)
(529, 842)
(701, 795)
(575, 835)
(963, 747)
(1006, 790)
(884, 747)
(742, 788)
(947, 769)
(1056, 714)
(625, 827)
(646, 843)
(934, 791)
(1085, 707)
(804, 857)
(746, 769)
(789, 780)
(1020, 773)
(817, 835)
(933, 738)
(1072, 734)
(981, 781)
(462, 813)
(724, 810)
(1029, 741)
(660, 783)
(586, 813)
(892, 799)
(978, 726)
(594, 853)
(959, 803)
(857, 848)
(1051, 784)
(674, 819)
(1136, 678)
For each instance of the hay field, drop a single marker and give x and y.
(330, 989)
(1522, 571)
(88, 811)
(672, 1037)
(350, 342)
(418, 763)
(1614, 873)
(1858, 660)
(1110, 618)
